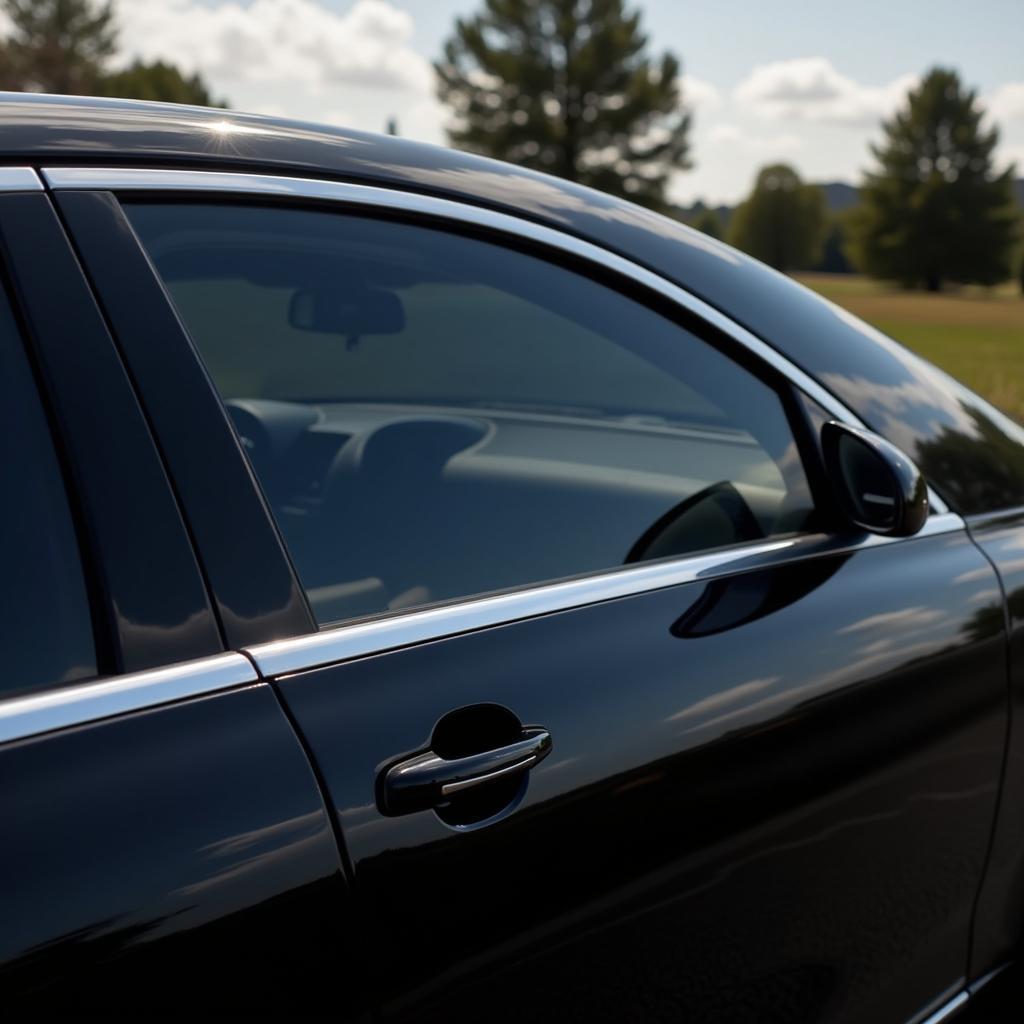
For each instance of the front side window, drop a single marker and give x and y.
(433, 416)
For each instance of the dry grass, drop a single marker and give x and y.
(975, 334)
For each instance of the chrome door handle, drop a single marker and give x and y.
(429, 780)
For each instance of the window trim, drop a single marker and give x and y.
(347, 641)
(19, 179)
(93, 701)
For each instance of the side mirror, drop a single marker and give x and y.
(878, 487)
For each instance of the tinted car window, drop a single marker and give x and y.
(433, 416)
(45, 621)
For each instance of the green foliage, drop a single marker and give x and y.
(935, 211)
(157, 81)
(64, 46)
(783, 222)
(708, 221)
(565, 86)
(833, 254)
(56, 46)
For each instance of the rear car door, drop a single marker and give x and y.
(162, 830)
(615, 720)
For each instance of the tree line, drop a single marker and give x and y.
(567, 87)
(571, 88)
(66, 47)
(933, 212)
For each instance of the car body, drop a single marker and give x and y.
(343, 460)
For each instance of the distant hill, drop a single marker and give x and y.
(1019, 185)
(839, 195)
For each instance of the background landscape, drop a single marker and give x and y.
(879, 159)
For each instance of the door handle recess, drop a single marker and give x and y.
(429, 780)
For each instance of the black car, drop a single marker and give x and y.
(436, 591)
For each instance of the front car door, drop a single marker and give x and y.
(615, 720)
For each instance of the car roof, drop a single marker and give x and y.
(896, 393)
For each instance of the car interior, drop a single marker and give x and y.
(437, 421)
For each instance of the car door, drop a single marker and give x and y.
(615, 718)
(162, 829)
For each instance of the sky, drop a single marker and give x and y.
(793, 80)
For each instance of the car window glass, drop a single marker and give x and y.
(45, 621)
(433, 416)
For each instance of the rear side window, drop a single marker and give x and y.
(45, 620)
(433, 416)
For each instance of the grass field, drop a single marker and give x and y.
(976, 335)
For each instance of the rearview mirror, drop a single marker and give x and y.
(350, 312)
(878, 487)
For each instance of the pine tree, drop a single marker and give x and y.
(783, 222)
(56, 46)
(935, 211)
(566, 86)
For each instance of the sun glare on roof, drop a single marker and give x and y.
(225, 128)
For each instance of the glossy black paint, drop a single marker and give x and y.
(258, 596)
(130, 524)
(176, 860)
(770, 802)
(971, 454)
(1000, 917)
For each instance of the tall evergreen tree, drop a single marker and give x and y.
(567, 87)
(783, 222)
(56, 46)
(935, 211)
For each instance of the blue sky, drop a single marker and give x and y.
(787, 80)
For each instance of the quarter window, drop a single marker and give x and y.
(45, 621)
(433, 416)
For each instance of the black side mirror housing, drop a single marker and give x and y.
(879, 489)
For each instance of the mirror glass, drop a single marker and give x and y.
(870, 486)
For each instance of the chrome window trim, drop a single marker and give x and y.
(336, 644)
(154, 179)
(947, 1010)
(19, 179)
(37, 713)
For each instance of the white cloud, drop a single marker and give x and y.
(288, 41)
(1007, 102)
(1007, 155)
(699, 94)
(726, 134)
(810, 88)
